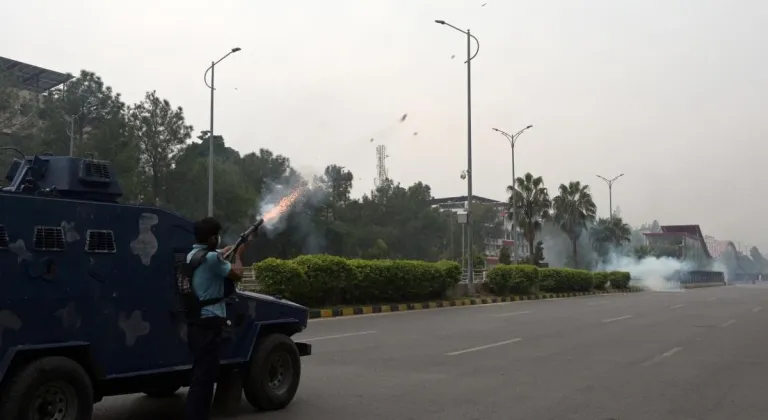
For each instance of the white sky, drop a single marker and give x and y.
(673, 93)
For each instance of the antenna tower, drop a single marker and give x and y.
(381, 165)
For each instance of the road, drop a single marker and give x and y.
(698, 354)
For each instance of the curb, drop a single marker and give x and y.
(403, 307)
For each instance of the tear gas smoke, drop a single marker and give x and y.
(649, 272)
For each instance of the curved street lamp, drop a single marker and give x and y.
(470, 56)
(512, 140)
(610, 191)
(210, 138)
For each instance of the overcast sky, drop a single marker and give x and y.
(672, 93)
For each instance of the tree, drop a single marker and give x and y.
(532, 204)
(643, 251)
(160, 131)
(574, 209)
(504, 256)
(609, 234)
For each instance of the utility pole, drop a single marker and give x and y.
(610, 191)
(512, 140)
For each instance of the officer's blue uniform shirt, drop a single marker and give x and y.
(208, 281)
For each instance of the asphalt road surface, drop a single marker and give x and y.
(698, 354)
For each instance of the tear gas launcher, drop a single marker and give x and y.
(244, 237)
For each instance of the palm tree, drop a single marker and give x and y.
(574, 210)
(610, 232)
(532, 205)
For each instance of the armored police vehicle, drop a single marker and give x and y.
(88, 304)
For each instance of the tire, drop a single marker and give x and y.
(266, 389)
(163, 391)
(56, 384)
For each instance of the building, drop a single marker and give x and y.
(32, 82)
(684, 242)
(493, 245)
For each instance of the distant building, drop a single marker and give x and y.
(33, 83)
(684, 242)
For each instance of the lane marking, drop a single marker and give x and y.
(711, 299)
(597, 303)
(617, 319)
(757, 309)
(677, 306)
(728, 323)
(487, 346)
(513, 313)
(327, 337)
(662, 356)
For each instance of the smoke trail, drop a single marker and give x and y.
(293, 200)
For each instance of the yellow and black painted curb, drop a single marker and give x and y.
(380, 309)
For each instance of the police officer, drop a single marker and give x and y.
(204, 336)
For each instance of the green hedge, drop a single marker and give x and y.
(525, 279)
(324, 280)
(619, 279)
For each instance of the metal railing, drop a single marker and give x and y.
(249, 282)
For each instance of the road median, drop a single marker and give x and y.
(355, 310)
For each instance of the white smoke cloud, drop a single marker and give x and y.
(656, 274)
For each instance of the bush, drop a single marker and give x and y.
(565, 280)
(619, 279)
(324, 280)
(601, 280)
(513, 279)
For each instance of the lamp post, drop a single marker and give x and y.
(210, 138)
(512, 140)
(71, 130)
(610, 191)
(469, 144)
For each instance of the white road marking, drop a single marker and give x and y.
(728, 323)
(597, 303)
(677, 306)
(487, 346)
(327, 337)
(618, 319)
(662, 356)
(711, 299)
(757, 309)
(513, 313)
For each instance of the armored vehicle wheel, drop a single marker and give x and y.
(273, 373)
(162, 391)
(52, 388)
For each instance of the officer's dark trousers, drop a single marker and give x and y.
(204, 342)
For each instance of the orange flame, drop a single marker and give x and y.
(283, 205)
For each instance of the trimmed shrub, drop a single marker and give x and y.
(331, 279)
(552, 280)
(513, 279)
(283, 278)
(601, 279)
(619, 279)
(324, 280)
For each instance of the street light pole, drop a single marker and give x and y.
(512, 140)
(610, 191)
(71, 119)
(469, 145)
(210, 135)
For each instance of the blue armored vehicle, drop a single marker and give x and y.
(88, 304)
